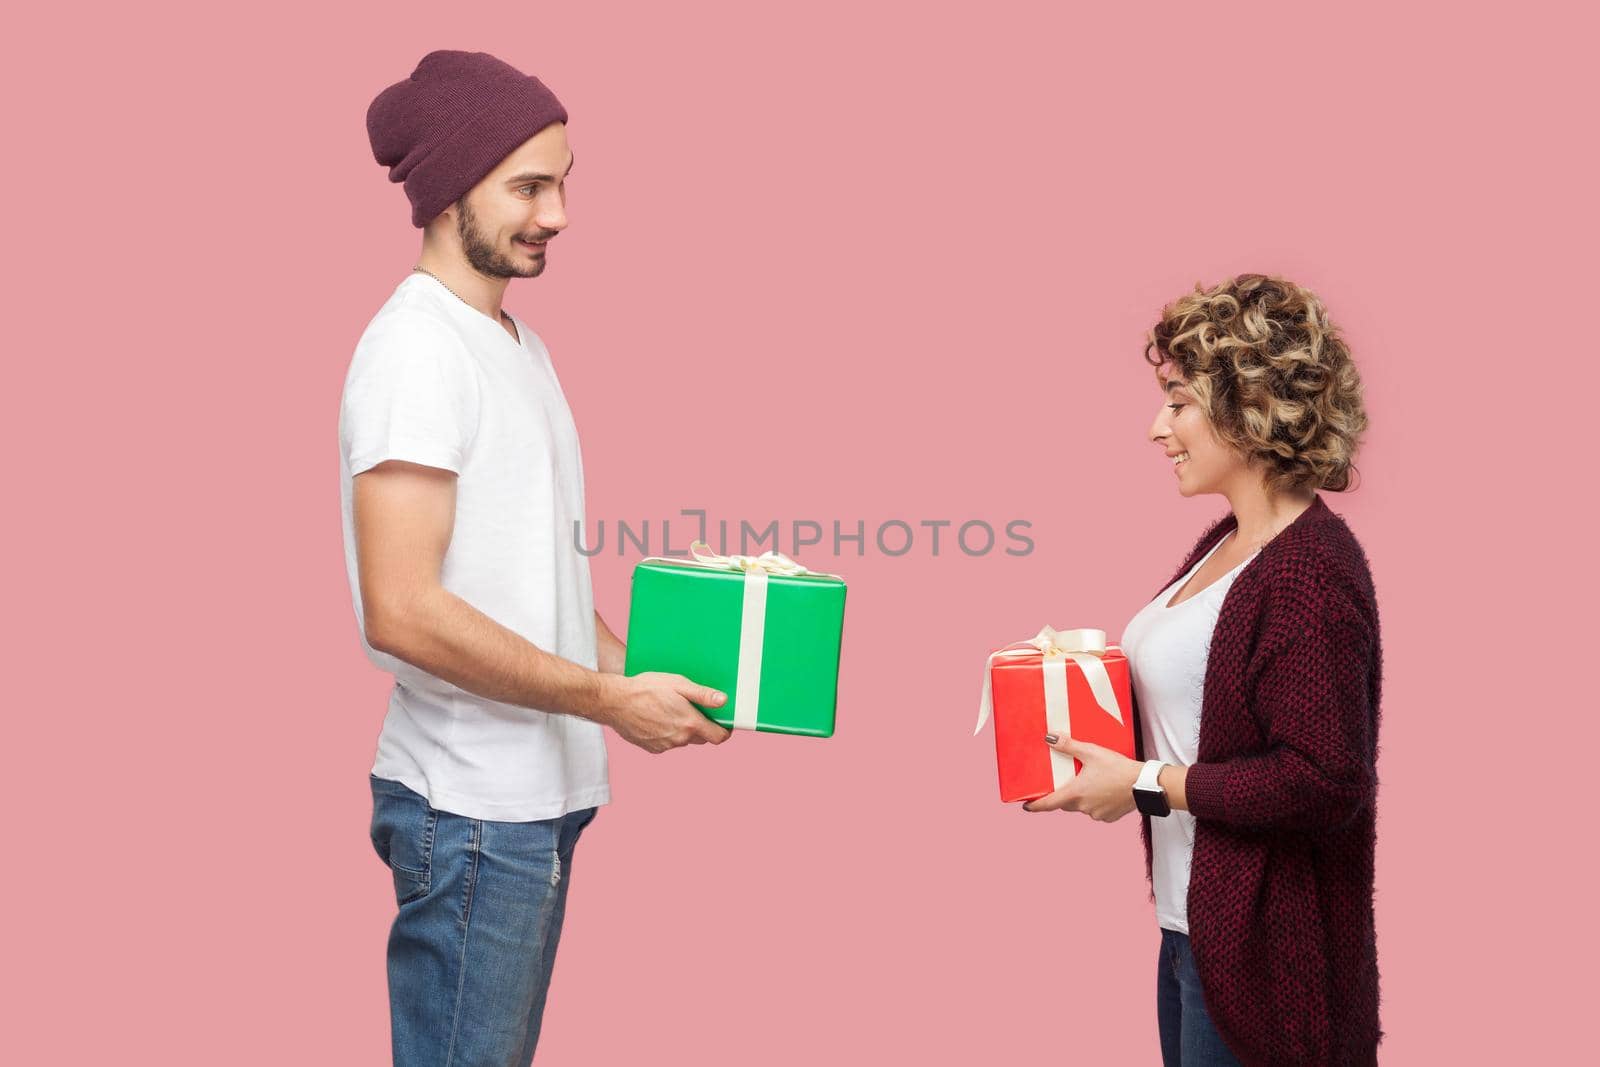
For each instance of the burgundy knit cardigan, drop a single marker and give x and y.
(1283, 791)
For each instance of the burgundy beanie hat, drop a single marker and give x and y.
(452, 122)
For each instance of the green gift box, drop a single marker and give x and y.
(762, 629)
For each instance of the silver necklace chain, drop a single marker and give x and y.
(455, 294)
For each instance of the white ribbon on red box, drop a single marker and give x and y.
(1055, 648)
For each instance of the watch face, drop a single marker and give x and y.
(1151, 801)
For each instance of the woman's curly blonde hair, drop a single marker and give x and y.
(1273, 375)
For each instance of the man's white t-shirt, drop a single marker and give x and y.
(434, 381)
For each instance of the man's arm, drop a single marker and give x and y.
(610, 652)
(404, 518)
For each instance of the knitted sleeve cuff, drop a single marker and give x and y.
(1203, 785)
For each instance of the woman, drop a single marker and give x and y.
(1256, 674)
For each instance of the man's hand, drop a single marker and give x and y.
(655, 713)
(1103, 790)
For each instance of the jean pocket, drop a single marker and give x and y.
(403, 824)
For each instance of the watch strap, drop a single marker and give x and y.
(1150, 777)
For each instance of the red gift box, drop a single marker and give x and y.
(1067, 682)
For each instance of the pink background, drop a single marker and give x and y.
(838, 263)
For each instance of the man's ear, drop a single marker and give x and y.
(447, 217)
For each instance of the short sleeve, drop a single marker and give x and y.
(412, 394)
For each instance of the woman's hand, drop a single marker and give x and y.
(1103, 790)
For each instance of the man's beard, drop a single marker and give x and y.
(484, 257)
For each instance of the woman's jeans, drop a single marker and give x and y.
(471, 950)
(1187, 1037)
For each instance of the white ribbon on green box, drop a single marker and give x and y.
(1056, 647)
(752, 619)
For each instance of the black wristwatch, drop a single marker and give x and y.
(1147, 792)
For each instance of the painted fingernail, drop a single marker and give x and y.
(1051, 739)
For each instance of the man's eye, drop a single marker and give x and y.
(527, 187)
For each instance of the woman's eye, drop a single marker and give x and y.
(1177, 407)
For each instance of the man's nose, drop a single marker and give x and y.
(552, 214)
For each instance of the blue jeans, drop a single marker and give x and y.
(472, 947)
(1187, 1037)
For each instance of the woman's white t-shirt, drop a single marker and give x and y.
(1167, 649)
(434, 381)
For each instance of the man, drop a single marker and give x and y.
(460, 482)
